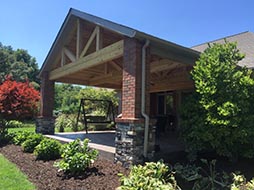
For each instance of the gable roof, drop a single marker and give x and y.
(245, 43)
(156, 44)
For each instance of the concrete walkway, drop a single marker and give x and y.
(103, 141)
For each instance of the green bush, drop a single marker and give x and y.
(31, 142)
(14, 124)
(76, 157)
(48, 149)
(151, 176)
(21, 136)
(220, 116)
(67, 121)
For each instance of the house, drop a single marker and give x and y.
(151, 74)
(245, 43)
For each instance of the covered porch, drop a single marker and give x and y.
(143, 69)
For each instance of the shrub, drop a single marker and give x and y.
(18, 100)
(48, 149)
(14, 124)
(76, 157)
(221, 115)
(151, 176)
(31, 142)
(21, 136)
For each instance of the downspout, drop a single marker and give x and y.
(143, 103)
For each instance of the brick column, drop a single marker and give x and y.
(130, 128)
(45, 122)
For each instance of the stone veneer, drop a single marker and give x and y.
(45, 125)
(129, 143)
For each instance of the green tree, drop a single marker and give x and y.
(221, 108)
(101, 107)
(66, 99)
(18, 64)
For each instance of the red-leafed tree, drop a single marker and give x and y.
(18, 100)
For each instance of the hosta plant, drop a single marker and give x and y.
(153, 175)
(76, 157)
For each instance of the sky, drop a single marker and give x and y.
(33, 24)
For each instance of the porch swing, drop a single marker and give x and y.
(89, 107)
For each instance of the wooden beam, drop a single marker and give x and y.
(78, 39)
(104, 55)
(109, 85)
(69, 54)
(90, 40)
(115, 65)
(162, 65)
(99, 39)
(171, 86)
(73, 81)
(62, 58)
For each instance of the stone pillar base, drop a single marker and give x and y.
(129, 142)
(45, 125)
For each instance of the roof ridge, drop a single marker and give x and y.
(229, 36)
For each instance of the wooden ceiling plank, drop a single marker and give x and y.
(106, 78)
(162, 65)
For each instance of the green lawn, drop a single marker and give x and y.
(31, 128)
(11, 178)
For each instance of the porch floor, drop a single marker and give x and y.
(103, 141)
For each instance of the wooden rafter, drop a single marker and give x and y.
(90, 40)
(115, 65)
(62, 58)
(69, 54)
(104, 55)
(78, 44)
(99, 39)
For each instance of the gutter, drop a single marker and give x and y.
(143, 97)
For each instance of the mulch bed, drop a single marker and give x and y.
(103, 174)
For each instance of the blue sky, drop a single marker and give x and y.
(33, 24)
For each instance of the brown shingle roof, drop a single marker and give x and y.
(245, 42)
